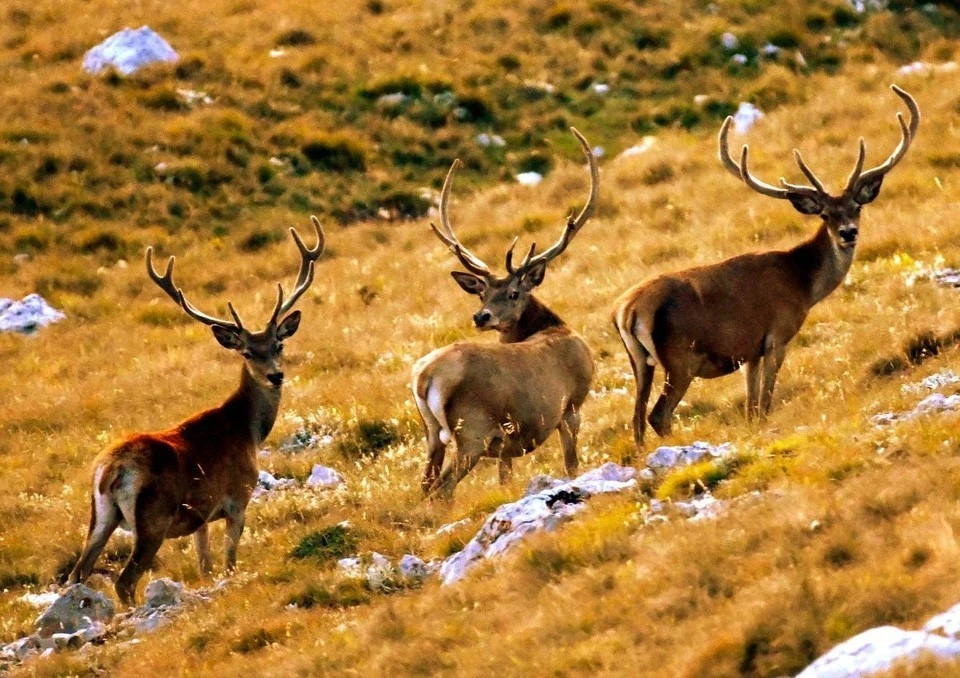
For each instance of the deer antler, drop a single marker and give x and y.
(574, 224)
(470, 261)
(305, 276)
(740, 170)
(907, 135)
(165, 283)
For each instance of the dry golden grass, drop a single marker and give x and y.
(758, 592)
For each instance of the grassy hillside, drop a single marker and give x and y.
(855, 525)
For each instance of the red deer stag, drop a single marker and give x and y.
(175, 482)
(504, 400)
(708, 321)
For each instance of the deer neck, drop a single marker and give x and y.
(536, 317)
(822, 263)
(256, 404)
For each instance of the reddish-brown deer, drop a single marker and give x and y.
(504, 400)
(708, 321)
(175, 482)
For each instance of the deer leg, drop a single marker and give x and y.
(675, 385)
(505, 469)
(151, 524)
(569, 429)
(469, 451)
(102, 525)
(436, 450)
(234, 529)
(753, 389)
(643, 375)
(772, 360)
(201, 542)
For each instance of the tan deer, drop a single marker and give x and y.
(504, 400)
(708, 321)
(175, 482)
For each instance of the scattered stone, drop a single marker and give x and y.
(599, 151)
(740, 59)
(27, 315)
(128, 51)
(935, 403)
(393, 101)
(948, 277)
(414, 570)
(544, 510)
(933, 382)
(647, 475)
(729, 41)
(485, 139)
(770, 50)
(192, 96)
(380, 573)
(304, 439)
(639, 149)
(324, 477)
(77, 608)
(163, 593)
(667, 457)
(924, 68)
(600, 88)
(704, 507)
(877, 650)
(267, 482)
(350, 566)
(529, 178)
(746, 117)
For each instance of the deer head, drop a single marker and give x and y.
(841, 213)
(261, 351)
(505, 299)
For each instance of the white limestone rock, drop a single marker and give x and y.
(324, 477)
(128, 51)
(27, 315)
(544, 510)
(77, 608)
(877, 650)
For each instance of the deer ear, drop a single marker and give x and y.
(229, 337)
(535, 275)
(471, 284)
(869, 191)
(805, 204)
(288, 326)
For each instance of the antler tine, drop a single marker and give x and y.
(817, 184)
(857, 169)
(308, 257)
(757, 185)
(165, 283)
(574, 224)
(724, 149)
(470, 261)
(907, 134)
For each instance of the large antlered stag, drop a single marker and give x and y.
(504, 400)
(175, 482)
(708, 321)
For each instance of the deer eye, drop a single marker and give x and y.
(513, 295)
(246, 354)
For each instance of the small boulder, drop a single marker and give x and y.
(163, 593)
(324, 476)
(414, 570)
(128, 51)
(78, 608)
(27, 315)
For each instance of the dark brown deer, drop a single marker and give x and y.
(504, 400)
(175, 482)
(708, 321)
